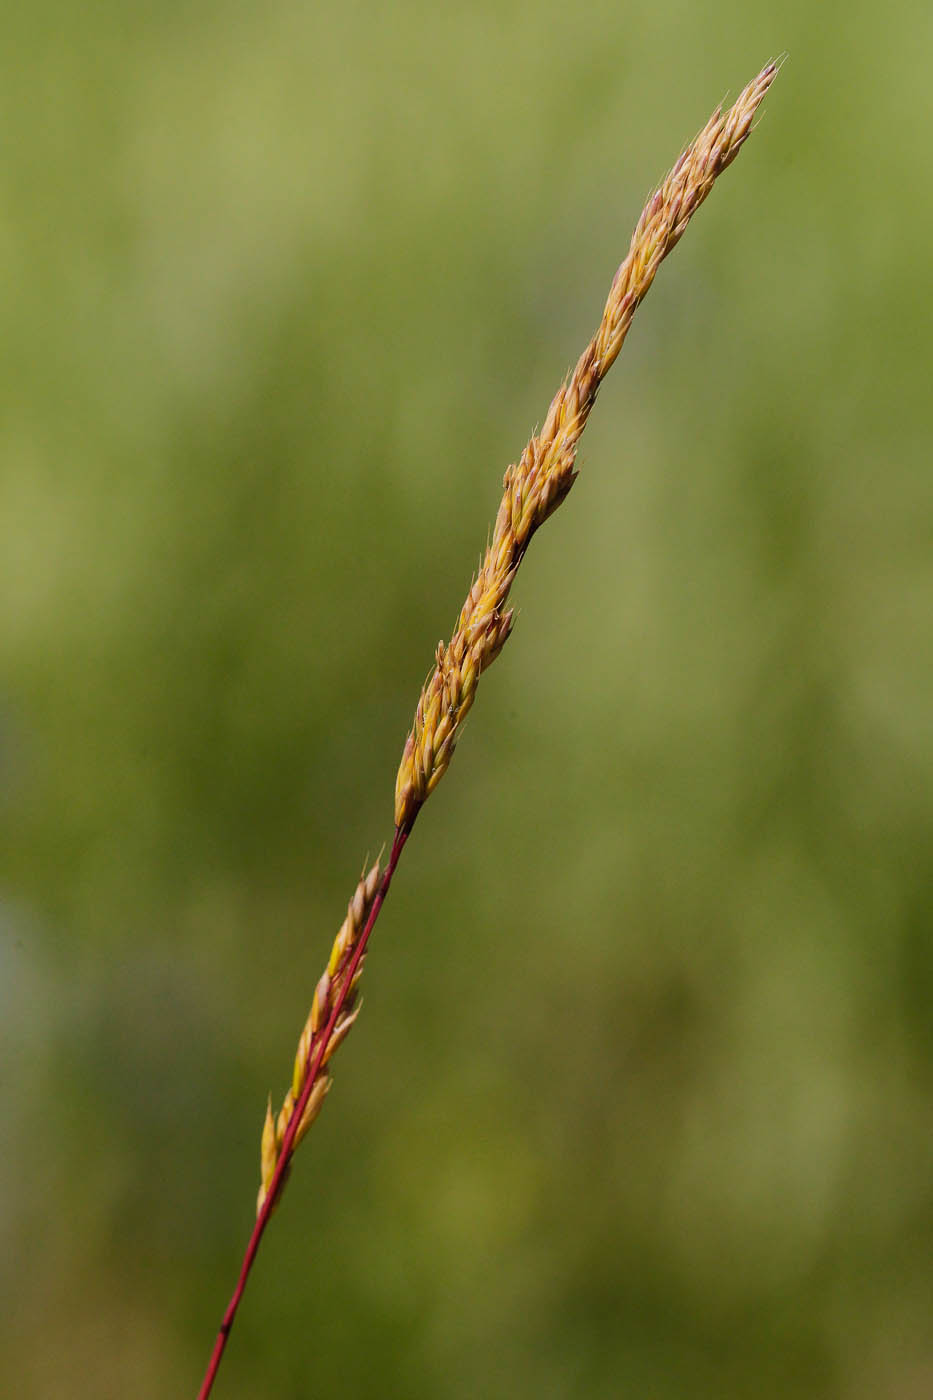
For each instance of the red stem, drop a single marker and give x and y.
(262, 1219)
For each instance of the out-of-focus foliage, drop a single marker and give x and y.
(641, 1099)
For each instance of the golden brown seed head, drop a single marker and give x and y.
(534, 488)
(322, 1006)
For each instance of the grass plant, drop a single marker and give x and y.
(532, 491)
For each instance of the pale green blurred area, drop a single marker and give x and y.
(641, 1099)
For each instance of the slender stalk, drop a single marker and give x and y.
(533, 489)
(262, 1219)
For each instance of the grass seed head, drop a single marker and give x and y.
(322, 1006)
(545, 472)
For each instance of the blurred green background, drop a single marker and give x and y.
(641, 1100)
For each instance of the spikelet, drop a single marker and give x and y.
(545, 473)
(322, 1005)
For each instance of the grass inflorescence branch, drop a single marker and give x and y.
(534, 488)
(532, 491)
